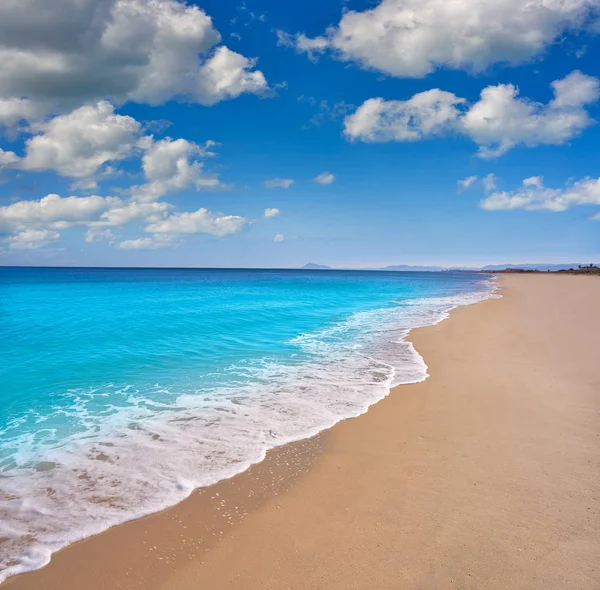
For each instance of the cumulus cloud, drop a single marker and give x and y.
(198, 222)
(59, 55)
(37, 222)
(78, 144)
(500, 120)
(54, 212)
(32, 239)
(87, 144)
(532, 195)
(465, 184)
(497, 122)
(324, 178)
(154, 243)
(426, 114)
(411, 38)
(168, 165)
(279, 238)
(8, 159)
(575, 90)
(122, 213)
(27, 223)
(227, 75)
(172, 164)
(279, 183)
(272, 212)
(13, 110)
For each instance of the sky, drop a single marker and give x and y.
(272, 134)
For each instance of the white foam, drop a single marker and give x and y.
(147, 455)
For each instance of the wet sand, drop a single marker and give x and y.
(487, 475)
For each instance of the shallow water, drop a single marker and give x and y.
(122, 390)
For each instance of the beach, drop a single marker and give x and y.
(486, 475)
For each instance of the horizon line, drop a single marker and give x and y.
(364, 268)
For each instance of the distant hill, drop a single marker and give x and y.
(542, 267)
(490, 267)
(311, 266)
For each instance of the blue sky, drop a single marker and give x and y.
(109, 107)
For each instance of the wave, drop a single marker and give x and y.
(125, 461)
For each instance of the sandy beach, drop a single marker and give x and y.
(486, 475)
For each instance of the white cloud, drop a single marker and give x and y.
(99, 235)
(279, 238)
(27, 223)
(168, 165)
(497, 122)
(532, 195)
(122, 213)
(411, 38)
(100, 214)
(62, 54)
(54, 212)
(13, 110)
(575, 90)
(279, 183)
(31, 239)
(489, 182)
(272, 212)
(80, 143)
(325, 178)
(227, 75)
(536, 181)
(154, 243)
(8, 159)
(426, 114)
(500, 120)
(467, 183)
(197, 222)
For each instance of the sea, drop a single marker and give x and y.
(123, 390)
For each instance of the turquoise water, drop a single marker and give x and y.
(124, 389)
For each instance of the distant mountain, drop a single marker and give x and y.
(311, 266)
(542, 267)
(490, 267)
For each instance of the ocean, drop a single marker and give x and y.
(122, 390)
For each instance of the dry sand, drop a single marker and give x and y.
(487, 475)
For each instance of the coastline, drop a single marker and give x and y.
(329, 511)
(339, 382)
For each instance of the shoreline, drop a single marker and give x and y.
(182, 544)
(411, 370)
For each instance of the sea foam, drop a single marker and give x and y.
(130, 459)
